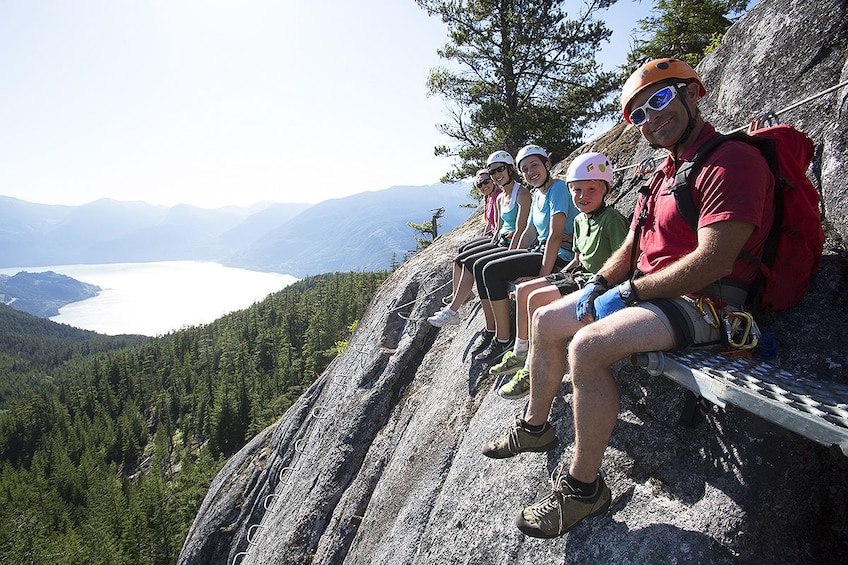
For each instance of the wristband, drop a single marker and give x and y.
(598, 279)
(627, 292)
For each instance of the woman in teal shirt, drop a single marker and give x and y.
(552, 216)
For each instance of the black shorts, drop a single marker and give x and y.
(567, 283)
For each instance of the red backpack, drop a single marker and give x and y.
(793, 247)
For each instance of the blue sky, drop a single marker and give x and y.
(223, 102)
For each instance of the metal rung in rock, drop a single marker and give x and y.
(816, 410)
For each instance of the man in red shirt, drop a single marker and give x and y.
(652, 308)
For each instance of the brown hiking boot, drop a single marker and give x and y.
(563, 509)
(519, 439)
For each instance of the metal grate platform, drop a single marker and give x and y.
(814, 409)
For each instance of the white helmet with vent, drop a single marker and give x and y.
(529, 150)
(590, 166)
(500, 157)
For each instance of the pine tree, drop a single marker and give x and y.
(523, 72)
(685, 29)
(108, 459)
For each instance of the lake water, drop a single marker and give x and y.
(156, 298)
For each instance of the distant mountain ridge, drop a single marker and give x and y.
(365, 231)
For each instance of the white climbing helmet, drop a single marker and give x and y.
(528, 150)
(500, 157)
(590, 166)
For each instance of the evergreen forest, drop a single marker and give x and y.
(108, 444)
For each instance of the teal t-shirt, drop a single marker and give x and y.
(510, 216)
(597, 236)
(557, 200)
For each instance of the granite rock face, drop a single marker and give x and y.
(379, 461)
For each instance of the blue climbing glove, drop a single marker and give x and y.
(595, 287)
(615, 299)
(607, 303)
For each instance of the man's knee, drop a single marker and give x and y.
(595, 346)
(541, 320)
(554, 321)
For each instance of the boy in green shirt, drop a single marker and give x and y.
(598, 231)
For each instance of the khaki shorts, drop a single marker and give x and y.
(684, 321)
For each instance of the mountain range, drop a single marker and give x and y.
(365, 231)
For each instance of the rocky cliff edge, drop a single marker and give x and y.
(379, 462)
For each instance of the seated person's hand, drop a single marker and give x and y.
(586, 303)
(607, 303)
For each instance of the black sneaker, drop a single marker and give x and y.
(494, 352)
(485, 341)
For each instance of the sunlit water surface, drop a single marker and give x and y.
(156, 298)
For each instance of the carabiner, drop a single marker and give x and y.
(708, 310)
(740, 330)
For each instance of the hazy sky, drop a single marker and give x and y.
(219, 102)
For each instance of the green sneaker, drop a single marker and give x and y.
(517, 387)
(519, 439)
(563, 509)
(509, 364)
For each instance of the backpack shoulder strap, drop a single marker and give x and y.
(684, 180)
(642, 203)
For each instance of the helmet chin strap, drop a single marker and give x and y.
(547, 178)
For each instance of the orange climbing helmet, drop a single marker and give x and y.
(654, 71)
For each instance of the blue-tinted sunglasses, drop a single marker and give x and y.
(658, 101)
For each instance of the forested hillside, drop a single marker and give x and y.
(32, 349)
(107, 445)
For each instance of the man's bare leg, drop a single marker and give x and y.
(591, 353)
(551, 327)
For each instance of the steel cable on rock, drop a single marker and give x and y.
(412, 302)
(270, 502)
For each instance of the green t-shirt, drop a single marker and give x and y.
(597, 236)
